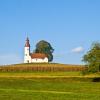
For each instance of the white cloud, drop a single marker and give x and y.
(9, 59)
(78, 49)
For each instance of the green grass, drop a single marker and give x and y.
(47, 85)
(34, 74)
(47, 89)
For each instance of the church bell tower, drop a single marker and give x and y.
(27, 51)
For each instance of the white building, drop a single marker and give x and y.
(33, 57)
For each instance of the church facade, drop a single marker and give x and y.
(33, 57)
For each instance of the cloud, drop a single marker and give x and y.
(10, 59)
(78, 49)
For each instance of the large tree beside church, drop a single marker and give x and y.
(46, 48)
(92, 58)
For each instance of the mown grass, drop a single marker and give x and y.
(48, 89)
(66, 84)
(35, 74)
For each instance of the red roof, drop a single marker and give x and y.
(38, 55)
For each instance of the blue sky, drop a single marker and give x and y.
(69, 25)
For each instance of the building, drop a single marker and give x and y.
(33, 57)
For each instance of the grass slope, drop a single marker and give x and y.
(47, 85)
(47, 89)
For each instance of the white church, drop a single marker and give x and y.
(33, 57)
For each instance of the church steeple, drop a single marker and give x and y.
(27, 44)
(27, 58)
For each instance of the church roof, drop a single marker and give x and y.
(27, 44)
(38, 55)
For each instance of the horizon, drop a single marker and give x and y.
(70, 26)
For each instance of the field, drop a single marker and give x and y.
(48, 89)
(50, 67)
(48, 85)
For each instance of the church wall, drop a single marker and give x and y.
(38, 60)
(27, 59)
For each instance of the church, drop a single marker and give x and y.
(33, 57)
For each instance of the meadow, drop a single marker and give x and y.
(48, 85)
(48, 89)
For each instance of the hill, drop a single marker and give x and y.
(47, 82)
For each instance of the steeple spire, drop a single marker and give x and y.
(27, 44)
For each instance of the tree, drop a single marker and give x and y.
(92, 58)
(46, 48)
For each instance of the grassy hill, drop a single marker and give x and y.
(47, 82)
(20, 88)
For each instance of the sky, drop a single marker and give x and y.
(70, 26)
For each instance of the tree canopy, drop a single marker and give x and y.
(46, 48)
(92, 58)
